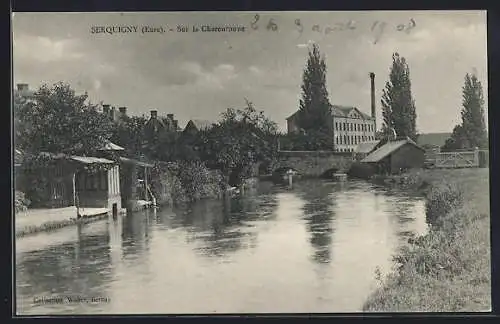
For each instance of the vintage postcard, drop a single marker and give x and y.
(250, 162)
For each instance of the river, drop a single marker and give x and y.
(312, 248)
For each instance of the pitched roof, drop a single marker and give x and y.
(366, 147)
(110, 146)
(202, 124)
(344, 111)
(292, 115)
(434, 139)
(90, 160)
(76, 158)
(388, 149)
(135, 162)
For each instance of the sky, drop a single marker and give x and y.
(198, 75)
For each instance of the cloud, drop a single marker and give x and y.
(47, 50)
(215, 78)
(182, 72)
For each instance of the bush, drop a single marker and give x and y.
(21, 203)
(441, 200)
(199, 182)
(186, 181)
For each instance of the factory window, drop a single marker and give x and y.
(337, 140)
(347, 140)
(336, 126)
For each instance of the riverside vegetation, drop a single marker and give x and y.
(448, 269)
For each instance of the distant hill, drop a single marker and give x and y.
(433, 139)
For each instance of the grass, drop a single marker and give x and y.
(447, 270)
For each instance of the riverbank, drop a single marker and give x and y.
(31, 225)
(449, 268)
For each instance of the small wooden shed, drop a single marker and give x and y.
(396, 156)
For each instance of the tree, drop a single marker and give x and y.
(314, 106)
(59, 121)
(398, 106)
(472, 131)
(241, 139)
(129, 133)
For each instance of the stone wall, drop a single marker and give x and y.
(314, 163)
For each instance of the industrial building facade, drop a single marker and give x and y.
(348, 126)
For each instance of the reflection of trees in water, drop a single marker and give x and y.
(136, 232)
(319, 212)
(225, 226)
(400, 207)
(74, 268)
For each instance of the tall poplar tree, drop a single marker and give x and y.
(314, 105)
(472, 131)
(398, 107)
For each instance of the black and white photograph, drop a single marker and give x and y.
(244, 162)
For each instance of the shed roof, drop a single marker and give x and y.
(388, 149)
(135, 162)
(366, 147)
(110, 146)
(90, 160)
(76, 158)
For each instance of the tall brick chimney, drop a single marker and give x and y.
(113, 113)
(154, 114)
(105, 109)
(123, 111)
(372, 92)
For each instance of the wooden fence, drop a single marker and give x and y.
(459, 159)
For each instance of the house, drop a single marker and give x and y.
(135, 176)
(396, 156)
(365, 148)
(196, 125)
(348, 126)
(66, 180)
(135, 180)
(24, 91)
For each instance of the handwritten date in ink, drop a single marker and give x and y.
(271, 24)
(377, 27)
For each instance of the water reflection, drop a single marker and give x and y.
(136, 231)
(224, 227)
(319, 211)
(310, 248)
(79, 268)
